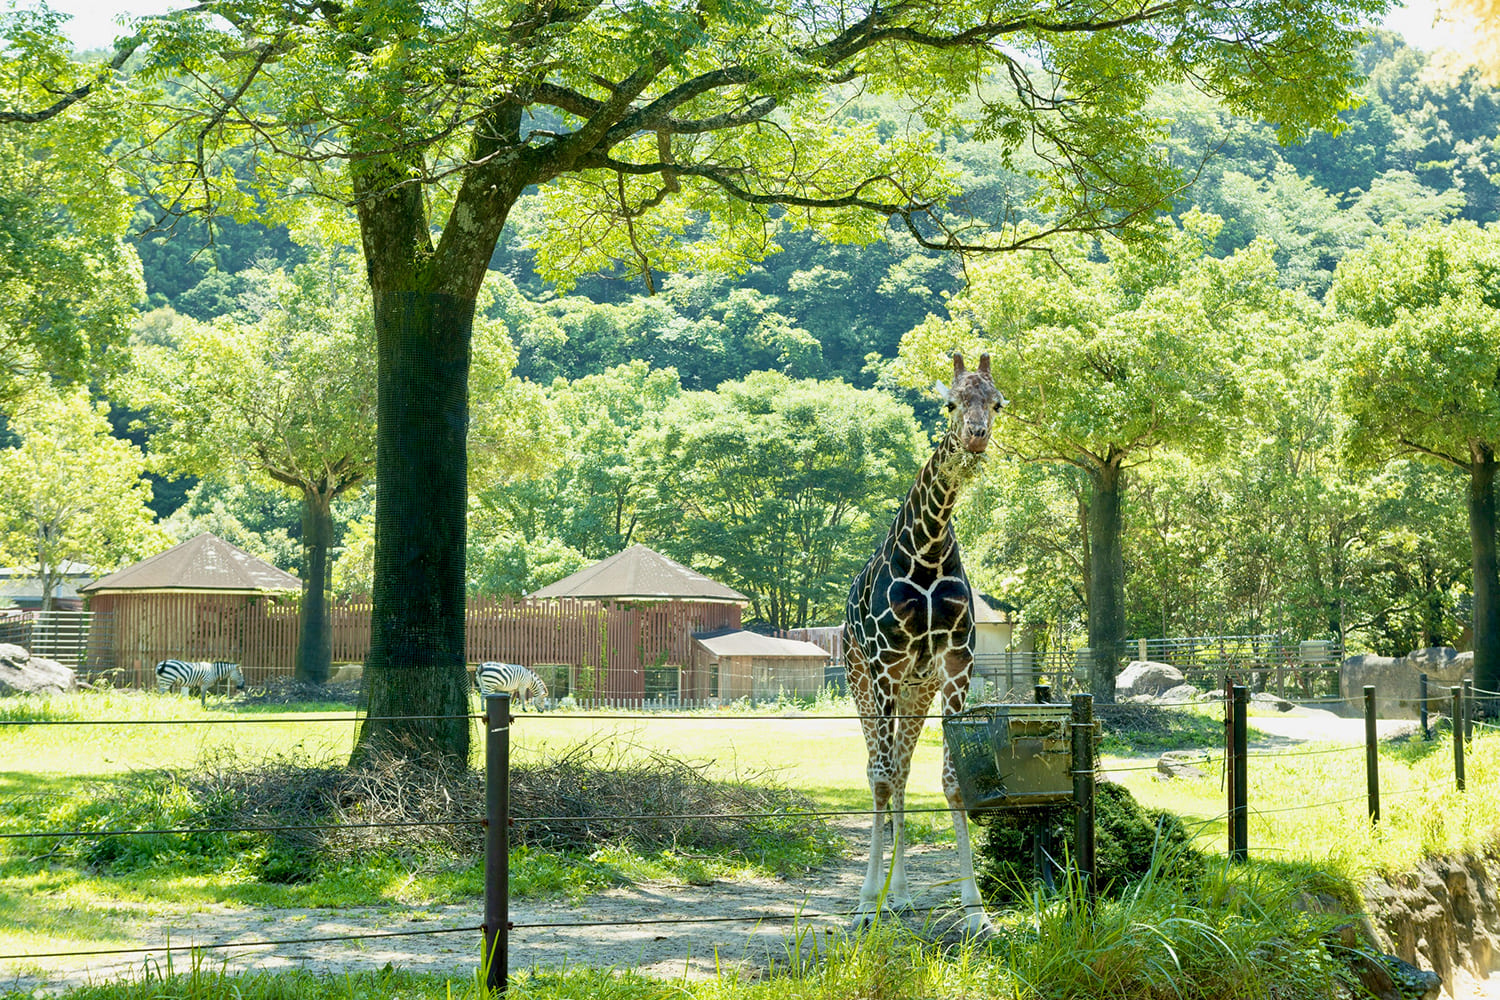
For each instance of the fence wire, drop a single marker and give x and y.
(642, 817)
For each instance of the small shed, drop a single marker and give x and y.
(993, 629)
(204, 599)
(742, 664)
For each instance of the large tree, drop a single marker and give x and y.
(779, 487)
(71, 492)
(1417, 364)
(642, 122)
(287, 394)
(69, 282)
(1106, 365)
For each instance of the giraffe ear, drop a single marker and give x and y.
(941, 390)
(984, 364)
(958, 365)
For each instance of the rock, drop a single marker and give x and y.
(1444, 914)
(1266, 698)
(1181, 764)
(1443, 665)
(1147, 677)
(1394, 679)
(1180, 693)
(1387, 977)
(22, 673)
(1432, 658)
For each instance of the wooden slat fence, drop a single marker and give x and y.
(257, 631)
(602, 650)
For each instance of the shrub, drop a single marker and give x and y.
(1129, 843)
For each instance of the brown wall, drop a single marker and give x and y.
(608, 645)
(259, 632)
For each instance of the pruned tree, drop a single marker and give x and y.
(71, 492)
(641, 123)
(1417, 368)
(287, 395)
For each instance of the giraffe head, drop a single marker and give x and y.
(973, 401)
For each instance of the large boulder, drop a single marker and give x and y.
(1180, 693)
(22, 673)
(1444, 666)
(1394, 679)
(1147, 677)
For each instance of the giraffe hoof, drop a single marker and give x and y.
(864, 919)
(978, 925)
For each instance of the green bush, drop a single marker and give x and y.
(1129, 843)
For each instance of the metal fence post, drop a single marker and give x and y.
(1468, 709)
(1422, 705)
(496, 843)
(1239, 809)
(1372, 773)
(1457, 694)
(1082, 732)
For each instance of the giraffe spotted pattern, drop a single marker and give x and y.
(909, 637)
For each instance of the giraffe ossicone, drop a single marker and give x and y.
(909, 637)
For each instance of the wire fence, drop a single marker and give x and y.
(1222, 756)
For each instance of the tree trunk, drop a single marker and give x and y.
(1106, 580)
(314, 638)
(416, 665)
(1482, 526)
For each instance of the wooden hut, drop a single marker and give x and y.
(740, 664)
(658, 604)
(202, 600)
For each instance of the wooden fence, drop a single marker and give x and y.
(257, 631)
(586, 648)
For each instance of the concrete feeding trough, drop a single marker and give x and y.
(1011, 756)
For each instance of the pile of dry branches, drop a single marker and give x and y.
(573, 797)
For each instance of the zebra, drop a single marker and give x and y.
(513, 679)
(201, 674)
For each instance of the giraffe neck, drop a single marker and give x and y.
(922, 527)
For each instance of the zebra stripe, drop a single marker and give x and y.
(513, 679)
(201, 674)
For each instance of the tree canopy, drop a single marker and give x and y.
(71, 492)
(1418, 361)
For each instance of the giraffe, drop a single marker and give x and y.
(909, 635)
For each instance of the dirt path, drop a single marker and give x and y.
(662, 949)
(668, 950)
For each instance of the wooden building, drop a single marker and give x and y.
(663, 604)
(202, 600)
(739, 664)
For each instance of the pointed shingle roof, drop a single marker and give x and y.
(641, 574)
(203, 563)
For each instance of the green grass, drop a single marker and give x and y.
(1235, 934)
(1313, 806)
(63, 776)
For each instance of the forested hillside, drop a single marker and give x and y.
(761, 421)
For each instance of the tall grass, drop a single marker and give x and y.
(1238, 932)
(1312, 806)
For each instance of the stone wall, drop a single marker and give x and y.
(1444, 916)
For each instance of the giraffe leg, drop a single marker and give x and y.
(954, 689)
(873, 702)
(911, 707)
